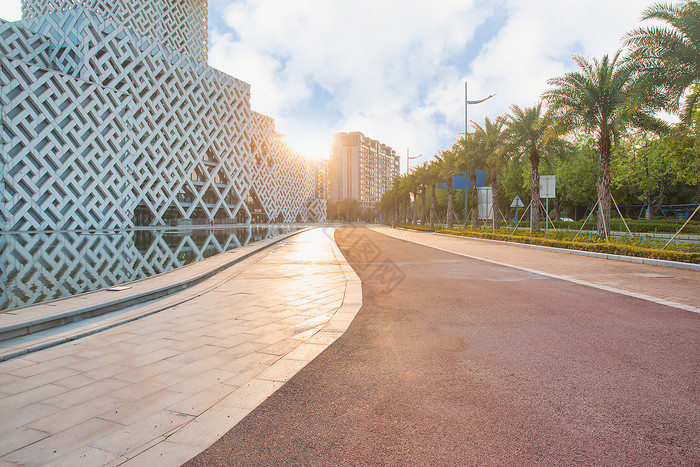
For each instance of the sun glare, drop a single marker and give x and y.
(316, 157)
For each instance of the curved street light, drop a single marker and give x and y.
(409, 158)
(466, 104)
(466, 132)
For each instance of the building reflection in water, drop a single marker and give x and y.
(35, 267)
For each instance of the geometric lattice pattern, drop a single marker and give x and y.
(43, 266)
(178, 24)
(317, 210)
(109, 124)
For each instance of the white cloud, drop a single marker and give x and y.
(389, 66)
(377, 60)
(537, 43)
(395, 69)
(11, 10)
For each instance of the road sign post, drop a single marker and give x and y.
(517, 203)
(547, 190)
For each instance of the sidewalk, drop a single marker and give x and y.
(164, 387)
(30, 319)
(679, 288)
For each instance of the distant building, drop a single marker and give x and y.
(361, 168)
(321, 179)
(317, 208)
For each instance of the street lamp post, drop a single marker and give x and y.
(409, 158)
(466, 132)
(408, 168)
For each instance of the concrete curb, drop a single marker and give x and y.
(593, 254)
(54, 320)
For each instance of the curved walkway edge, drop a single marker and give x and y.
(677, 288)
(160, 389)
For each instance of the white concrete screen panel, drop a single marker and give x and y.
(178, 24)
(107, 126)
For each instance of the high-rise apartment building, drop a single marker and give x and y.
(361, 168)
(321, 179)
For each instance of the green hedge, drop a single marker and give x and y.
(635, 225)
(422, 228)
(608, 248)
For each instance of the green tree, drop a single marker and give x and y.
(512, 181)
(576, 175)
(413, 187)
(432, 178)
(641, 167)
(471, 158)
(652, 169)
(529, 134)
(666, 58)
(420, 173)
(491, 152)
(449, 164)
(405, 188)
(597, 100)
(389, 203)
(683, 144)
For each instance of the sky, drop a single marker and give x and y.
(395, 69)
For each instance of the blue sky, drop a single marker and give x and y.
(395, 70)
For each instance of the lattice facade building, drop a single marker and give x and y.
(111, 117)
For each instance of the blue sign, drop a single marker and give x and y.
(458, 181)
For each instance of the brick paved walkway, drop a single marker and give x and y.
(158, 390)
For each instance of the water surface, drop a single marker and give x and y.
(35, 267)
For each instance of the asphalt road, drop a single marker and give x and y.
(454, 361)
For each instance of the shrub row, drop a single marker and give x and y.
(422, 228)
(607, 248)
(635, 225)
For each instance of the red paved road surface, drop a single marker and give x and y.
(464, 362)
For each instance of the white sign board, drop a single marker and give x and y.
(485, 200)
(547, 188)
(517, 203)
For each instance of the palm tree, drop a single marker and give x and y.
(413, 185)
(597, 99)
(385, 205)
(529, 134)
(432, 178)
(448, 163)
(489, 149)
(666, 59)
(404, 188)
(421, 173)
(394, 198)
(471, 155)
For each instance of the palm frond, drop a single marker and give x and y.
(691, 102)
(666, 58)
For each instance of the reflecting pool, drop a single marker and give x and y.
(35, 267)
